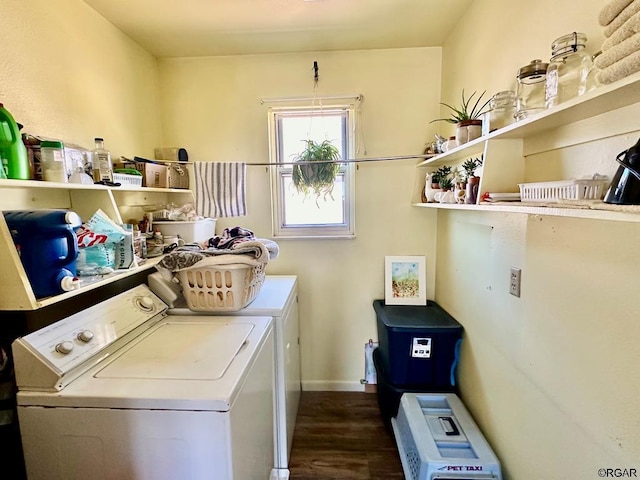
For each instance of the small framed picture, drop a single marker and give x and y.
(404, 279)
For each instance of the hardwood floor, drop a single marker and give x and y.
(341, 435)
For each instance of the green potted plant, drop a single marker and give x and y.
(439, 174)
(469, 167)
(317, 177)
(473, 182)
(467, 118)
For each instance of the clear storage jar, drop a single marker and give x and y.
(530, 93)
(502, 110)
(569, 67)
(52, 161)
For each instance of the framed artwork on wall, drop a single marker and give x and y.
(405, 280)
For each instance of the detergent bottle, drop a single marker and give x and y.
(48, 247)
(13, 153)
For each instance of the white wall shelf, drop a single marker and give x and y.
(121, 204)
(504, 153)
(558, 211)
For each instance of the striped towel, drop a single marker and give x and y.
(220, 189)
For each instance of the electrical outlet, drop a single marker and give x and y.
(514, 281)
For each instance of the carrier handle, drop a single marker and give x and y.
(72, 248)
(449, 426)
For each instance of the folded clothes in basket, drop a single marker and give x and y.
(251, 252)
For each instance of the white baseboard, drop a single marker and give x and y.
(331, 386)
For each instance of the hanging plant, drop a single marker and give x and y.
(316, 178)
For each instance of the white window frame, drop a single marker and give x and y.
(284, 167)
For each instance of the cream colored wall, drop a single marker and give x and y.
(551, 377)
(212, 107)
(67, 73)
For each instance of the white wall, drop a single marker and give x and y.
(67, 73)
(212, 107)
(551, 377)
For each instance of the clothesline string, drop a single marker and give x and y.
(354, 160)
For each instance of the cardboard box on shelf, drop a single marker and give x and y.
(155, 175)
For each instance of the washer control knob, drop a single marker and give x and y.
(145, 303)
(85, 336)
(64, 347)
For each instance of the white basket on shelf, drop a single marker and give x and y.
(127, 179)
(549, 192)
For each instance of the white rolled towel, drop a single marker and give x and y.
(629, 11)
(620, 69)
(630, 27)
(611, 10)
(618, 52)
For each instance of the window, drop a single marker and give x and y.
(295, 214)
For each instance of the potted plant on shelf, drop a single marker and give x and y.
(432, 182)
(466, 118)
(469, 166)
(317, 177)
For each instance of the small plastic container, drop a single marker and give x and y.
(530, 94)
(189, 231)
(52, 161)
(569, 67)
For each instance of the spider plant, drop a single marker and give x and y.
(464, 112)
(317, 177)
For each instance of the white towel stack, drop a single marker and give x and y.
(220, 189)
(621, 50)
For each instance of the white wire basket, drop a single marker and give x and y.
(127, 179)
(549, 192)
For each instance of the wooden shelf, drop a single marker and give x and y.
(504, 153)
(91, 283)
(559, 211)
(5, 183)
(119, 203)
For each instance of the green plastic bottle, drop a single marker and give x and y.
(13, 153)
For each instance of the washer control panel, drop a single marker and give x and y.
(66, 344)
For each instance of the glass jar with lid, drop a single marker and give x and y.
(502, 110)
(569, 67)
(530, 94)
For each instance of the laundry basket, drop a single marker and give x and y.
(221, 288)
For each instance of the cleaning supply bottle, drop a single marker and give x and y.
(102, 161)
(13, 153)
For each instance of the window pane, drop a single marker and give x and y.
(299, 215)
(294, 130)
(309, 210)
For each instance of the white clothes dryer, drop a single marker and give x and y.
(278, 299)
(122, 390)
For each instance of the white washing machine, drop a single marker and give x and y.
(278, 299)
(122, 390)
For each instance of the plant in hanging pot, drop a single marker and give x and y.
(317, 178)
(467, 118)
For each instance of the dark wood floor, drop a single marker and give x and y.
(341, 435)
